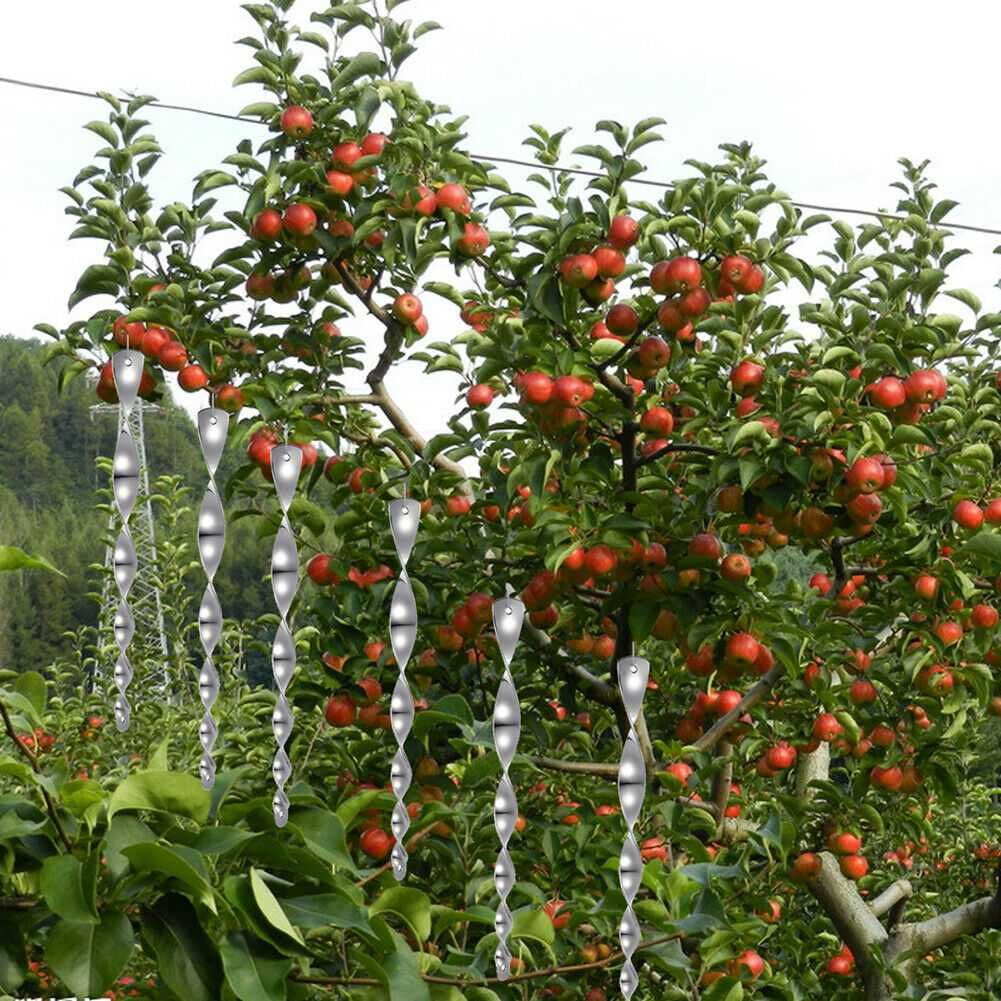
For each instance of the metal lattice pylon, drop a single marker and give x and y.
(149, 646)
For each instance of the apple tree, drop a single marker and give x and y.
(775, 478)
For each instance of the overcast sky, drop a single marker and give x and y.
(830, 101)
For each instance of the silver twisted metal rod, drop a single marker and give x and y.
(213, 426)
(404, 519)
(127, 367)
(286, 463)
(509, 617)
(633, 673)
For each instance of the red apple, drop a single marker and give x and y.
(297, 121)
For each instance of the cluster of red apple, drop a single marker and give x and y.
(556, 402)
(848, 847)
(909, 399)
(904, 854)
(970, 515)
(344, 180)
(681, 279)
(38, 740)
(467, 622)
(707, 704)
(594, 273)
(160, 346)
(409, 310)
(345, 710)
(742, 653)
(264, 439)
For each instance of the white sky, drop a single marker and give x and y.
(831, 103)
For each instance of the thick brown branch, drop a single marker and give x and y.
(812, 767)
(893, 895)
(752, 697)
(860, 929)
(942, 929)
(722, 781)
(380, 395)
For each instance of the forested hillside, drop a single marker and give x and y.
(49, 492)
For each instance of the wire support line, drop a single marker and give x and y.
(513, 161)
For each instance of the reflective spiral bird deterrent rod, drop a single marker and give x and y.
(127, 367)
(286, 462)
(509, 616)
(404, 518)
(633, 674)
(213, 425)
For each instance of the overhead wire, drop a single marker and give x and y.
(513, 161)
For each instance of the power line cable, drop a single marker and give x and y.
(534, 164)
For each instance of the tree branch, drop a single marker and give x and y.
(860, 929)
(722, 781)
(593, 686)
(812, 767)
(942, 929)
(552, 971)
(752, 697)
(838, 546)
(380, 394)
(611, 382)
(50, 805)
(677, 446)
(599, 769)
(896, 893)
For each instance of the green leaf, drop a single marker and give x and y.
(363, 64)
(88, 958)
(545, 295)
(942, 209)
(404, 976)
(270, 907)
(254, 971)
(69, 887)
(158, 761)
(984, 544)
(187, 960)
(164, 792)
(12, 558)
(642, 616)
(34, 688)
(256, 74)
(212, 180)
(452, 709)
(221, 840)
(412, 905)
(181, 863)
(327, 910)
(324, 834)
(124, 831)
(400, 972)
(533, 924)
(965, 296)
(752, 429)
(105, 131)
(12, 955)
